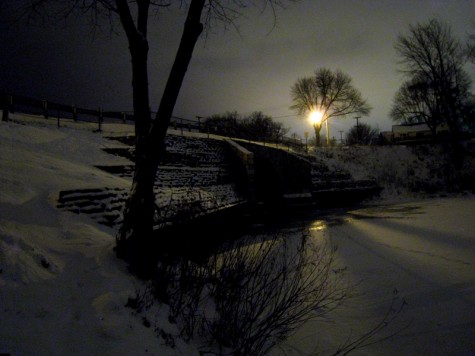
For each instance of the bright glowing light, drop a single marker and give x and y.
(315, 117)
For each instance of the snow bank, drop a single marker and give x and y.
(62, 289)
(404, 172)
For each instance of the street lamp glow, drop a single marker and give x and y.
(315, 117)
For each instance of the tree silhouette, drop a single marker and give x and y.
(135, 240)
(332, 94)
(470, 47)
(362, 134)
(255, 126)
(437, 87)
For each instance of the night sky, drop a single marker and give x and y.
(248, 71)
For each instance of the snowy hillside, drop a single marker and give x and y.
(404, 172)
(62, 289)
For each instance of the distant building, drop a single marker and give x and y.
(412, 133)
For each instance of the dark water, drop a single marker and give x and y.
(200, 237)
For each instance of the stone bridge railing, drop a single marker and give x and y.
(278, 176)
(273, 175)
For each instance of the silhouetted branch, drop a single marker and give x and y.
(371, 337)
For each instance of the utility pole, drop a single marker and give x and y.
(199, 122)
(327, 129)
(357, 129)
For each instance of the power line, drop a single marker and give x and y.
(283, 116)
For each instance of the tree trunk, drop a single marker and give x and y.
(135, 241)
(318, 140)
(193, 29)
(137, 226)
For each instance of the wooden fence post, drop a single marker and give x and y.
(45, 108)
(99, 118)
(5, 114)
(74, 110)
(5, 107)
(11, 107)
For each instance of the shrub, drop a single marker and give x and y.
(252, 294)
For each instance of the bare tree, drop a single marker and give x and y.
(135, 238)
(437, 86)
(470, 48)
(332, 94)
(416, 102)
(362, 134)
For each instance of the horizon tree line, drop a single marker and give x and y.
(255, 126)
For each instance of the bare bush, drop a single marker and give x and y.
(188, 282)
(383, 330)
(252, 294)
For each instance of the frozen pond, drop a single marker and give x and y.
(421, 252)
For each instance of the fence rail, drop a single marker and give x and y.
(51, 110)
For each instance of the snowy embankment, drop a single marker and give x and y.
(405, 172)
(62, 289)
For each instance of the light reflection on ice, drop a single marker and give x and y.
(318, 225)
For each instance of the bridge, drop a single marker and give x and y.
(202, 176)
(280, 177)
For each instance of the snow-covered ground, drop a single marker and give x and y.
(405, 172)
(425, 251)
(63, 291)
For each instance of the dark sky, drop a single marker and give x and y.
(248, 71)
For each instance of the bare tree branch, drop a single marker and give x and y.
(437, 86)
